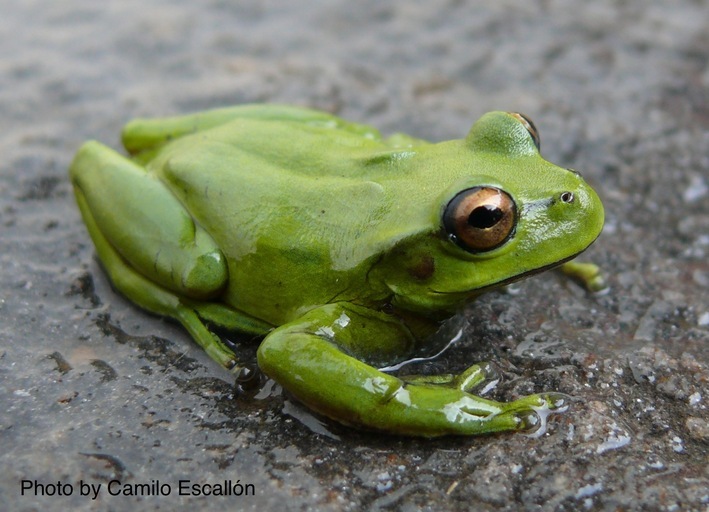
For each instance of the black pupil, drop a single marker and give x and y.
(485, 216)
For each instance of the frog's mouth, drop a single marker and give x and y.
(504, 282)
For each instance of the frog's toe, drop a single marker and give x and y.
(530, 413)
(248, 377)
(556, 402)
(531, 423)
(482, 375)
(534, 421)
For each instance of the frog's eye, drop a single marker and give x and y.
(480, 219)
(529, 125)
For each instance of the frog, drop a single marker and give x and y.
(341, 250)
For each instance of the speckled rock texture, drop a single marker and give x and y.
(94, 391)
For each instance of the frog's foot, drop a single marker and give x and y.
(587, 274)
(475, 415)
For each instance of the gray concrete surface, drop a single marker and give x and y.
(93, 390)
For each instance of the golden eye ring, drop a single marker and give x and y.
(480, 219)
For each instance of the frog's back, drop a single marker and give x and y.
(249, 169)
(291, 206)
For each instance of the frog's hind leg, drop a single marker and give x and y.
(146, 224)
(143, 137)
(150, 248)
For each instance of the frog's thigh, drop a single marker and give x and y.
(152, 297)
(145, 223)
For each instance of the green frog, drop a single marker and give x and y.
(344, 250)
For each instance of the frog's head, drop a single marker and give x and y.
(504, 213)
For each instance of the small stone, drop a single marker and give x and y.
(698, 428)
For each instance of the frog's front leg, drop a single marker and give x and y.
(588, 274)
(315, 359)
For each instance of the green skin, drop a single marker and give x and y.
(328, 240)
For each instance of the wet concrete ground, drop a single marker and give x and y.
(94, 390)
